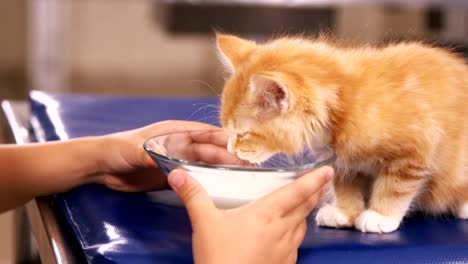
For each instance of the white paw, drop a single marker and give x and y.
(371, 221)
(463, 211)
(331, 216)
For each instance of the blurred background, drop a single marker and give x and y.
(166, 48)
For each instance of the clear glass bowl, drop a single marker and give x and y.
(229, 181)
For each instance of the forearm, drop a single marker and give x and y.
(41, 169)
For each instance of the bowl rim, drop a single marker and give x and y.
(308, 166)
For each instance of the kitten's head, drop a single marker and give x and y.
(277, 96)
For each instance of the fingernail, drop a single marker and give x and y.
(176, 180)
(329, 174)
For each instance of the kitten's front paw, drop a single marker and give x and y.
(463, 211)
(371, 221)
(332, 216)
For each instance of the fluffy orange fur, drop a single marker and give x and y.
(396, 116)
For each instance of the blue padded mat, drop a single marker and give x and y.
(114, 227)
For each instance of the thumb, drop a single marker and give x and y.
(192, 194)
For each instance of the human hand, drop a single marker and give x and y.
(117, 160)
(269, 230)
(127, 167)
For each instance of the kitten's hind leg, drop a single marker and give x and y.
(347, 205)
(463, 211)
(392, 194)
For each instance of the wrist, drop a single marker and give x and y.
(93, 155)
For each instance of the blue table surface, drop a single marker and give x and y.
(115, 227)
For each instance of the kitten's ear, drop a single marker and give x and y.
(233, 50)
(270, 96)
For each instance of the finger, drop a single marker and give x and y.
(212, 154)
(146, 160)
(292, 258)
(132, 153)
(142, 180)
(290, 196)
(298, 214)
(296, 238)
(192, 194)
(217, 137)
(299, 233)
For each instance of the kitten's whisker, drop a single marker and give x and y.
(199, 109)
(207, 85)
(205, 118)
(216, 112)
(215, 106)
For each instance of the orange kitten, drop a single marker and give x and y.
(396, 116)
